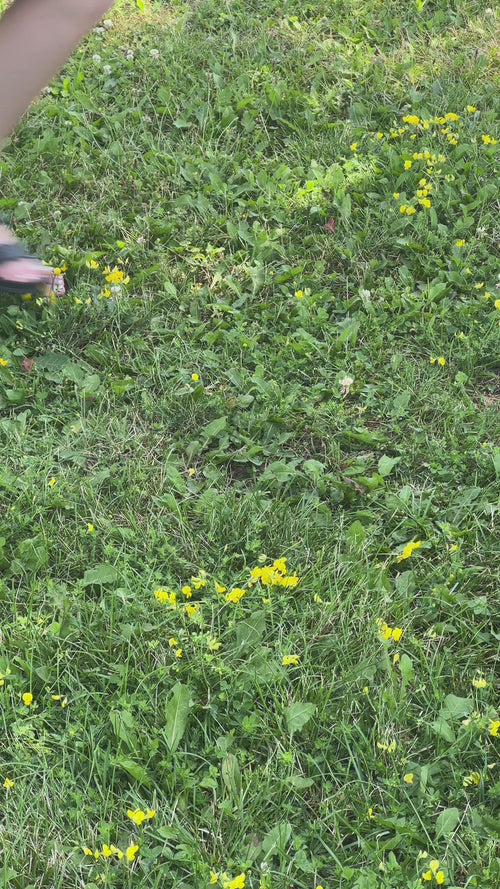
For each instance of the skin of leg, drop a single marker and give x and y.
(36, 38)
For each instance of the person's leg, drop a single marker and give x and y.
(36, 37)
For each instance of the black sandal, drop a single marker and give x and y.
(8, 252)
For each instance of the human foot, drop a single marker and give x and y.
(20, 272)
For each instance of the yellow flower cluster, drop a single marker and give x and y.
(109, 851)
(290, 659)
(479, 681)
(237, 883)
(388, 747)
(166, 596)
(235, 595)
(138, 816)
(409, 548)
(274, 575)
(472, 780)
(434, 872)
(388, 632)
(116, 276)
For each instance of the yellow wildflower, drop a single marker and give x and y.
(52, 482)
(471, 109)
(410, 211)
(380, 135)
(195, 378)
(107, 851)
(178, 652)
(172, 642)
(317, 599)
(408, 165)
(354, 146)
(186, 591)
(473, 778)
(494, 727)
(8, 783)
(115, 276)
(213, 644)
(27, 699)
(213, 877)
(92, 264)
(200, 581)
(425, 202)
(408, 550)
(166, 596)
(451, 116)
(137, 816)
(3, 362)
(237, 883)
(460, 242)
(395, 195)
(235, 595)
(87, 851)
(131, 852)
(412, 119)
(479, 682)
(219, 588)
(402, 208)
(299, 294)
(290, 581)
(390, 747)
(290, 659)
(191, 609)
(408, 778)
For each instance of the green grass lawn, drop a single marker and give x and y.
(250, 463)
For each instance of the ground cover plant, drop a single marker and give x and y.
(250, 469)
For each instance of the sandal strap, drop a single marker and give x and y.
(12, 251)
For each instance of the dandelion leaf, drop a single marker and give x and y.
(177, 713)
(249, 632)
(298, 715)
(101, 574)
(387, 464)
(456, 708)
(275, 841)
(446, 822)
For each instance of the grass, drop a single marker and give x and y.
(297, 369)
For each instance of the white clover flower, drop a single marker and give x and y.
(107, 70)
(96, 58)
(108, 24)
(345, 385)
(154, 53)
(98, 30)
(129, 55)
(365, 294)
